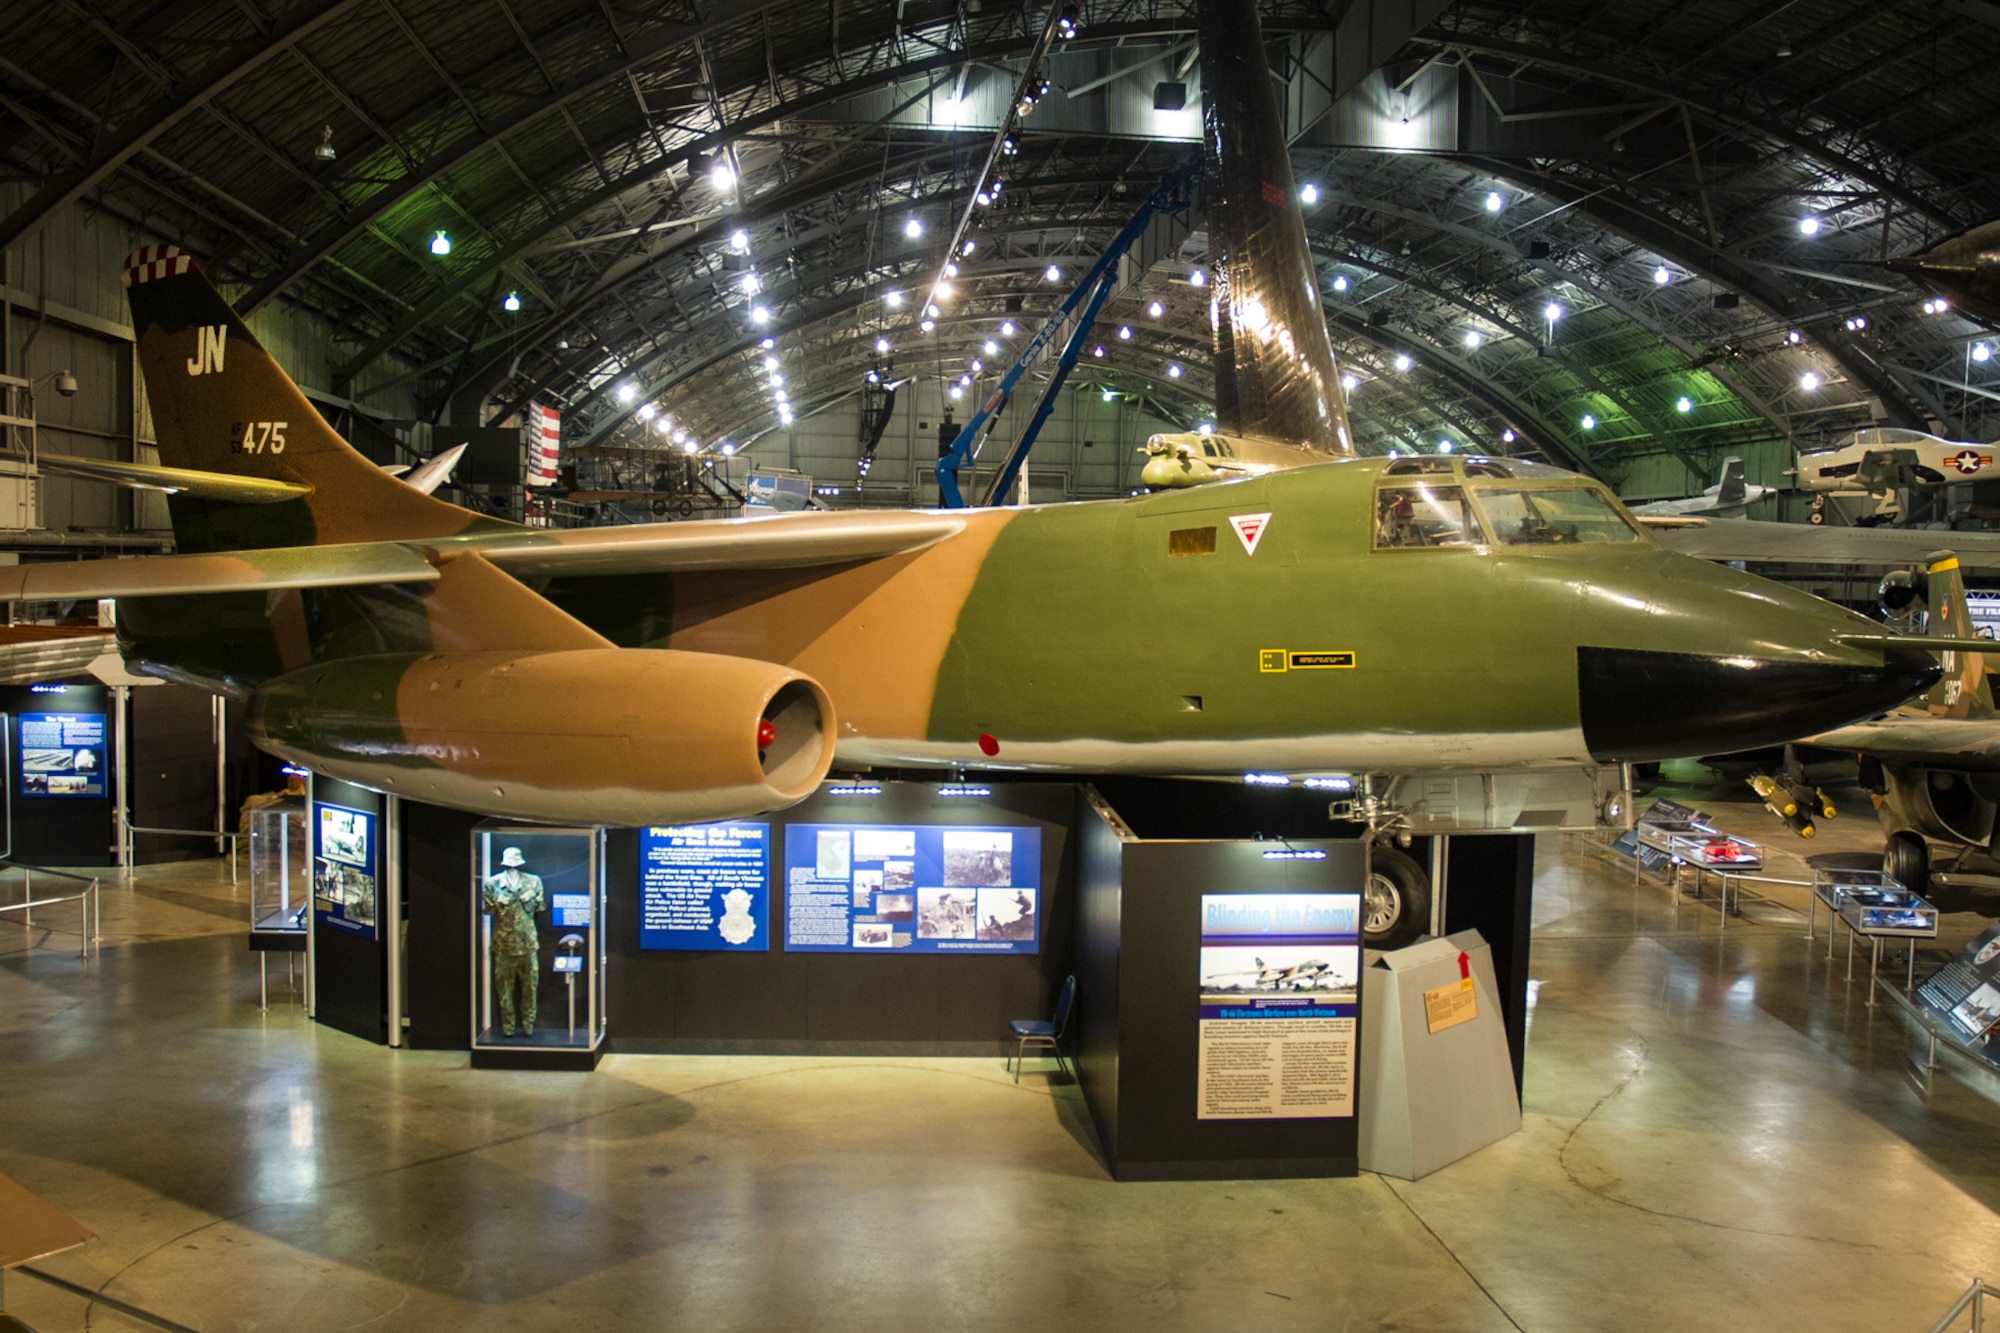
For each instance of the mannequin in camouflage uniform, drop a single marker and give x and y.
(513, 897)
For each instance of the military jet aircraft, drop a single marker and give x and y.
(1729, 497)
(1932, 768)
(1368, 618)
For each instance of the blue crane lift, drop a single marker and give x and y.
(1171, 195)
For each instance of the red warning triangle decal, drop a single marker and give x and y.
(1249, 529)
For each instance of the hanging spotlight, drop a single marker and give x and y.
(663, 425)
(969, 246)
(990, 347)
(882, 345)
(894, 300)
(770, 363)
(927, 325)
(1008, 147)
(1173, 370)
(977, 365)
(440, 244)
(326, 152)
(1156, 310)
(1683, 404)
(1589, 422)
(1097, 350)
(1198, 277)
(647, 411)
(768, 343)
(1309, 194)
(1125, 333)
(1981, 352)
(1069, 20)
(1349, 383)
(739, 241)
(1808, 381)
(1494, 203)
(1403, 361)
(1052, 273)
(722, 176)
(627, 393)
(1663, 275)
(1473, 337)
(511, 302)
(1006, 328)
(1795, 337)
(913, 228)
(1507, 436)
(760, 315)
(1340, 282)
(1808, 226)
(1552, 312)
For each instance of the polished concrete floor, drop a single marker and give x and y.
(1720, 1134)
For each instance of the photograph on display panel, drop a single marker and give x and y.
(916, 889)
(343, 869)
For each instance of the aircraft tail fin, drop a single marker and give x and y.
(1963, 691)
(1274, 369)
(1732, 489)
(222, 405)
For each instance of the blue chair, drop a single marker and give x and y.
(1034, 1032)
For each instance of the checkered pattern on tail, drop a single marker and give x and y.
(157, 261)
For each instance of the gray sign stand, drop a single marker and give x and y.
(1429, 1098)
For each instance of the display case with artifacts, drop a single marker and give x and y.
(538, 949)
(1711, 850)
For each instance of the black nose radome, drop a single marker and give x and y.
(1639, 706)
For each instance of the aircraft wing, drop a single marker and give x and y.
(1968, 744)
(779, 542)
(1796, 543)
(231, 571)
(782, 541)
(187, 481)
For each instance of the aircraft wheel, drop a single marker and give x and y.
(659, 508)
(1396, 906)
(1907, 860)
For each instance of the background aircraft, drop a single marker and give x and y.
(1885, 459)
(430, 474)
(1729, 497)
(1965, 268)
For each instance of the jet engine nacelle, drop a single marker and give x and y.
(619, 736)
(1940, 803)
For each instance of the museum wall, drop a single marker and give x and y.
(769, 1000)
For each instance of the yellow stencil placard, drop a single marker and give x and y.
(1321, 661)
(1270, 660)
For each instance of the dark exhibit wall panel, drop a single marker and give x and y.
(59, 804)
(350, 967)
(1491, 879)
(437, 879)
(1139, 998)
(775, 1001)
(172, 783)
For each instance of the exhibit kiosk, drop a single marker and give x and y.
(538, 953)
(280, 887)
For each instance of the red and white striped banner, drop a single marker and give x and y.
(544, 427)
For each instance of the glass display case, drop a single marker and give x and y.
(538, 947)
(1710, 850)
(280, 867)
(1659, 834)
(1889, 911)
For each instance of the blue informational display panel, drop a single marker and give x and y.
(62, 754)
(926, 889)
(344, 868)
(705, 886)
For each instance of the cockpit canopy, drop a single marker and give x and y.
(1433, 503)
